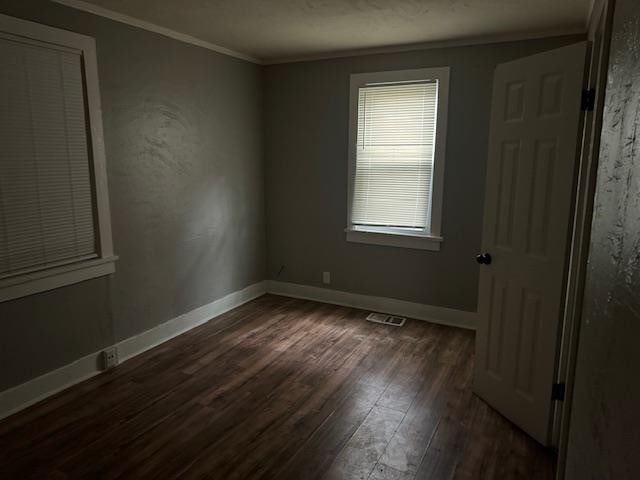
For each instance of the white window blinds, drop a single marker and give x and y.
(46, 199)
(394, 155)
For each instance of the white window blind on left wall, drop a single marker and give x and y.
(46, 197)
(394, 155)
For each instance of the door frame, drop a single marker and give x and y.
(599, 36)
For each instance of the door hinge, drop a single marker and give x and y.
(557, 391)
(588, 101)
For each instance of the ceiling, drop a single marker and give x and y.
(270, 31)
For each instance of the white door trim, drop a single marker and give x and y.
(601, 17)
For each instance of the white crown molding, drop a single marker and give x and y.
(418, 311)
(24, 395)
(484, 40)
(167, 32)
(182, 37)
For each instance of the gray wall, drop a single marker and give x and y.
(184, 131)
(605, 423)
(306, 125)
(184, 146)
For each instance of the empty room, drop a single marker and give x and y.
(333, 239)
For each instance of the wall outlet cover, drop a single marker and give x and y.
(326, 278)
(109, 358)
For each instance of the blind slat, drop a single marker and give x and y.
(394, 155)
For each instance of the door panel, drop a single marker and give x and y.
(530, 178)
(508, 174)
(539, 207)
(494, 354)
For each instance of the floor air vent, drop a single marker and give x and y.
(386, 319)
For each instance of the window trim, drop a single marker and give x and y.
(389, 236)
(23, 284)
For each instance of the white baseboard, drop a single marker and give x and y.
(26, 394)
(144, 341)
(419, 311)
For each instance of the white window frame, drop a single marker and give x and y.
(50, 277)
(432, 239)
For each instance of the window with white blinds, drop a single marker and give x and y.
(394, 155)
(398, 129)
(46, 206)
(55, 228)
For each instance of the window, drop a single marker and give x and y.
(54, 210)
(396, 157)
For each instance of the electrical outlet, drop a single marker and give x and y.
(109, 358)
(326, 278)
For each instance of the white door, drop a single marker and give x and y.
(527, 217)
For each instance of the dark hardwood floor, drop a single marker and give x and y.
(280, 389)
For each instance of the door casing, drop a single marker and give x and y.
(599, 37)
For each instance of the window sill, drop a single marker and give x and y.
(395, 239)
(43, 280)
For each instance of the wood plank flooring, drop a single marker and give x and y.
(278, 389)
